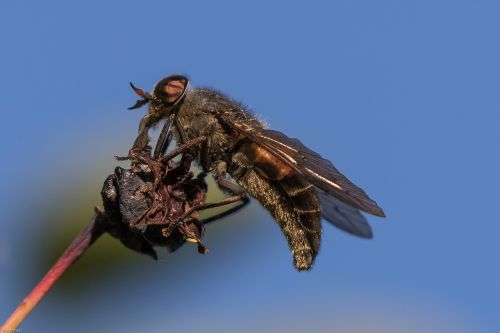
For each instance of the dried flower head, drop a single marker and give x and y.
(152, 204)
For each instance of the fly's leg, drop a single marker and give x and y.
(237, 194)
(164, 138)
(183, 148)
(180, 220)
(160, 169)
(141, 142)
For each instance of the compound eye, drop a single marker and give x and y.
(172, 88)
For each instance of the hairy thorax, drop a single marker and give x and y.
(197, 117)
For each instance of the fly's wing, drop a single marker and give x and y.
(318, 171)
(344, 216)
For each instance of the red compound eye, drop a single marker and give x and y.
(171, 89)
(174, 89)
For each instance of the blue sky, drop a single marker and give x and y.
(402, 96)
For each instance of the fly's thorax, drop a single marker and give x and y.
(204, 112)
(196, 122)
(195, 118)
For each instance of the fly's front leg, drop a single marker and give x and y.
(164, 138)
(184, 148)
(159, 167)
(142, 140)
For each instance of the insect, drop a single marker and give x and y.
(141, 203)
(295, 184)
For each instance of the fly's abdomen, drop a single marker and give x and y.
(285, 193)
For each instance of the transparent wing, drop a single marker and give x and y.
(344, 216)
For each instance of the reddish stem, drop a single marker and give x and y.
(75, 250)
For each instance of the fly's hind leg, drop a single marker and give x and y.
(240, 164)
(180, 220)
(220, 173)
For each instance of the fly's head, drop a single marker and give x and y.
(167, 94)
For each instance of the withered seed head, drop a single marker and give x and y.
(143, 202)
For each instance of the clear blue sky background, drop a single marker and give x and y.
(403, 97)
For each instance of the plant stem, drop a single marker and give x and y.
(74, 251)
